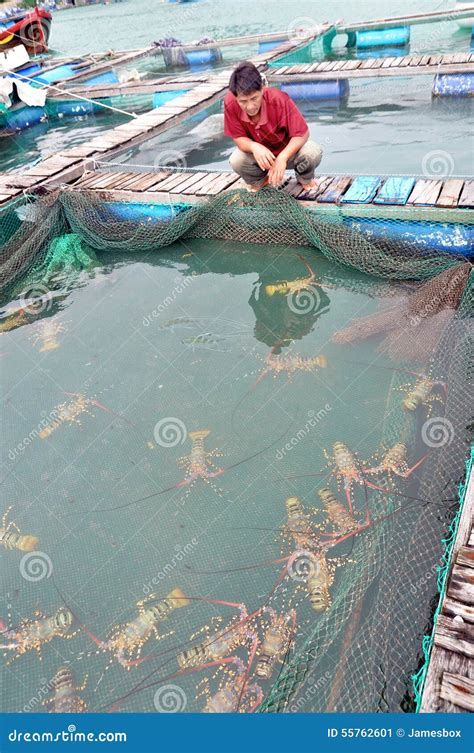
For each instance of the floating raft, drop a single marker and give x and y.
(194, 185)
(462, 62)
(449, 683)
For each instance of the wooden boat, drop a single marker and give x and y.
(31, 29)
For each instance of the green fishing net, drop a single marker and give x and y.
(360, 651)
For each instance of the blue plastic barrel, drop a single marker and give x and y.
(267, 46)
(161, 98)
(145, 212)
(442, 236)
(454, 85)
(76, 107)
(397, 37)
(314, 90)
(199, 58)
(56, 74)
(109, 77)
(24, 117)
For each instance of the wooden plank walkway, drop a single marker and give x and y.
(449, 684)
(69, 164)
(194, 186)
(406, 65)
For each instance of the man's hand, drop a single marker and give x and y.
(277, 171)
(263, 156)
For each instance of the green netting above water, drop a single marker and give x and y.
(249, 418)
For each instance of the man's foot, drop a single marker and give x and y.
(308, 185)
(254, 187)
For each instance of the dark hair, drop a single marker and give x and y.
(245, 79)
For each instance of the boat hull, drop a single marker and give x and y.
(32, 30)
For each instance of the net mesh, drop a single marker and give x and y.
(357, 651)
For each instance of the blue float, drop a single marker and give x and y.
(161, 98)
(200, 58)
(55, 74)
(315, 90)
(442, 236)
(267, 46)
(453, 85)
(397, 37)
(145, 212)
(24, 117)
(109, 77)
(75, 107)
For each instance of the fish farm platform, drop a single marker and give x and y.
(449, 683)
(195, 186)
(462, 62)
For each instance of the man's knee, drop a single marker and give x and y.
(238, 161)
(308, 157)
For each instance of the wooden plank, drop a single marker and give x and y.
(202, 184)
(105, 179)
(225, 182)
(450, 193)
(174, 180)
(322, 183)
(362, 190)
(334, 191)
(147, 181)
(351, 65)
(461, 585)
(187, 184)
(395, 190)
(207, 189)
(425, 192)
(465, 556)
(368, 63)
(458, 690)
(415, 60)
(467, 196)
(425, 59)
(436, 60)
(293, 188)
(453, 608)
(454, 636)
(388, 62)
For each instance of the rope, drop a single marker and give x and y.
(71, 94)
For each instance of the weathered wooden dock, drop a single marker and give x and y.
(197, 185)
(406, 65)
(69, 164)
(449, 683)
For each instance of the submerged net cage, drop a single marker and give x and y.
(358, 641)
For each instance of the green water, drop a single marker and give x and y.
(180, 340)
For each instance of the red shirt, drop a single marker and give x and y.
(280, 120)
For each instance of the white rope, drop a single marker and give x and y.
(71, 94)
